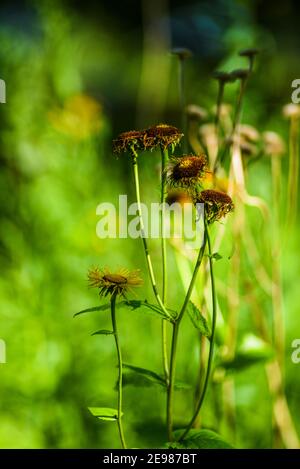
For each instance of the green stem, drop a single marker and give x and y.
(211, 347)
(170, 391)
(120, 365)
(181, 91)
(145, 244)
(164, 156)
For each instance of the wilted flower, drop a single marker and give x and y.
(223, 77)
(291, 110)
(182, 53)
(216, 204)
(273, 144)
(131, 141)
(241, 73)
(195, 112)
(161, 135)
(251, 52)
(186, 171)
(118, 283)
(248, 132)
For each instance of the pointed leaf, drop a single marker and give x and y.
(147, 308)
(104, 413)
(147, 375)
(103, 332)
(95, 308)
(217, 256)
(198, 320)
(202, 439)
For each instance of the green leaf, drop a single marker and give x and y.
(104, 413)
(103, 332)
(252, 351)
(142, 377)
(201, 439)
(198, 320)
(95, 308)
(145, 376)
(216, 256)
(147, 308)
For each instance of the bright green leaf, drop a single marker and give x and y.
(102, 332)
(104, 413)
(95, 308)
(147, 308)
(198, 320)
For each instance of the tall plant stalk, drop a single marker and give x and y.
(120, 366)
(212, 337)
(144, 240)
(170, 391)
(164, 157)
(293, 169)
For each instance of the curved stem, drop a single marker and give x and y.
(170, 392)
(211, 347)
(164, 156)
(120, 365)
(145, 244)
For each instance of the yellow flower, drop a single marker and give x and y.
(80, 118)
(114, 283)
(186, 171)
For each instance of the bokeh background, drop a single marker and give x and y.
(77, 74)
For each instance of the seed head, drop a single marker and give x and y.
(162, 135)
(110, 283)
(182, 53)
(273, 144)
(240, 73)
(216, 204)
(291, 111)
(131, 141)
(251, 52)
(223, 77)
(186, 171)
(195, 113)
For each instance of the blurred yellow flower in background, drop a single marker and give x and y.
(80, 118)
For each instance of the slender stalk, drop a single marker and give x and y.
(181, 91)
(145, 244)
(217, 119)
(293, 169)
(170, 390)
(120, 365)
(211, 347)
(164, 156)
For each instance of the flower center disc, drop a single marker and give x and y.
(115, 278)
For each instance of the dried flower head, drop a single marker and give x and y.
(216, 204)
(273, 144)
(195, 112)
(223, 77)
(251, 52)
(291, 111)
(131, 141)
(240, 73)
(110, 283)
(248, 132)
(182, 53)
(162, 135)
(186, 171)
